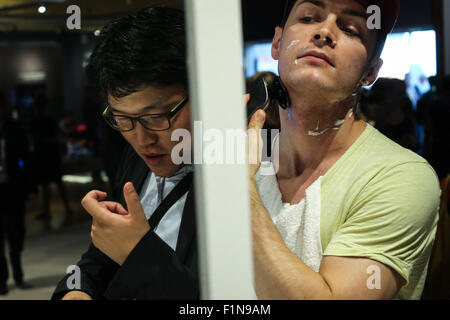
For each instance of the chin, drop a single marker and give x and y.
(313, 82)
(164, 171)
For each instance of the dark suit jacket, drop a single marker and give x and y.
(17, 158)
(152, 270)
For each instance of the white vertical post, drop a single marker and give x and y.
(216, 79)
(446, 27)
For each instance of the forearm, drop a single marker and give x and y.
(279, 273)
(96, 271)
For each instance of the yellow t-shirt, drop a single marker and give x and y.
(380, 201)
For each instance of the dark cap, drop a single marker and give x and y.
(389, 14)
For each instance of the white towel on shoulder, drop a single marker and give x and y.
(298, 224)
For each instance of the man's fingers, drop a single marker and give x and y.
(91, 203)
(96, 194)
(257, 120)
(255, 144)
(246, 99)
(114, 207)
(132, 199)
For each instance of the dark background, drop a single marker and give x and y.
(60, 53)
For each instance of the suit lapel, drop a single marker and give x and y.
(187, 227)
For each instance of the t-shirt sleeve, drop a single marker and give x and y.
(393, 220)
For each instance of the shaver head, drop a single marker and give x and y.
(279, 93)
(259, 97)
(263, 95)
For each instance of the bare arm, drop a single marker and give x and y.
(280, 274)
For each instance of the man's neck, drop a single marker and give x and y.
(312, 143)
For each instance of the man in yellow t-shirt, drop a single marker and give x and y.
(378, 201)
(347, 214)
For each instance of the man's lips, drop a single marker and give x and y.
(154, 158)
(318, 56)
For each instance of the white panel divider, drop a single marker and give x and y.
(215, 57)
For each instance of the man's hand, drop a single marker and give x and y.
(254, 140)
(76, 295)
(116, 231)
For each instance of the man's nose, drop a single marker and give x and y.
(143, 136)
(325, 35)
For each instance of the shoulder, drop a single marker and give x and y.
(377, 156)
(381, 147)
(394, 181)
(382, 176)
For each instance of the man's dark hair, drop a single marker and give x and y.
(143, 48)
(287, 11)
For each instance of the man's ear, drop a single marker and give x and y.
(374, 69)
(276, 43)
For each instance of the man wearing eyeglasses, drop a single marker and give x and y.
(143, 236)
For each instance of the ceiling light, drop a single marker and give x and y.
(42, 9)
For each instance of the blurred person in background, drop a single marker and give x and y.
(47, 159)
(412, 90)
(103, 137)
(436, 117)
(388, 107)
(423, 107)
(76, 137)
(365, 109)
(428, 99)
(91, 111)
(15, 185)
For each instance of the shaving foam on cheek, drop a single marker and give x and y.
(303, 50)
(293, 43)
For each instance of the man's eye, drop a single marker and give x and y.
(152, 118)
(307, 19)
(351, 32)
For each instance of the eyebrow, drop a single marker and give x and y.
(314, 2)
(354, 13)
(143, 109)
(321, 4)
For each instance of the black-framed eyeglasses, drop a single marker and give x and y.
(152, 122)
